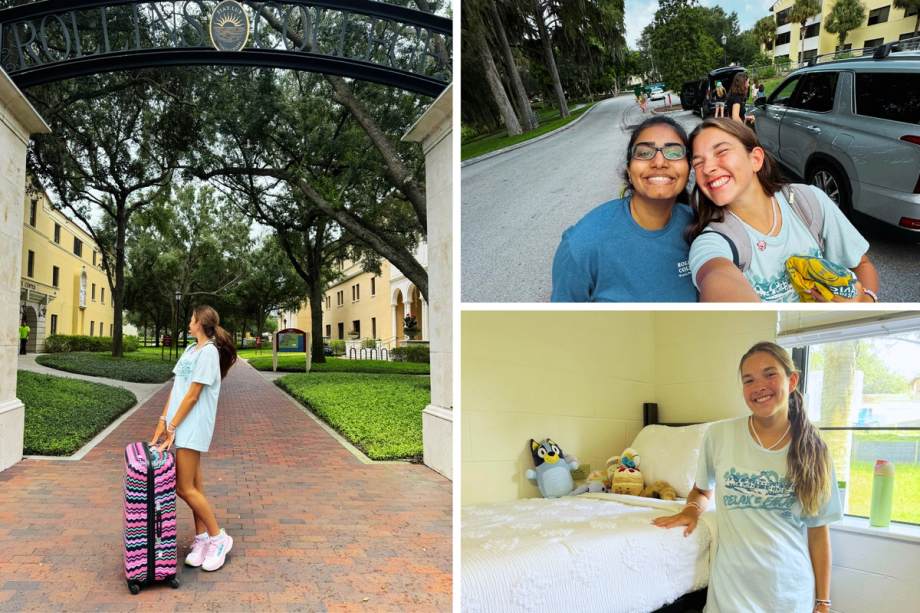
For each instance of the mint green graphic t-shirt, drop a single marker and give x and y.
(202, 366)
(761, 563)
(844, 245)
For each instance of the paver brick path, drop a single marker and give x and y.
(313, 527)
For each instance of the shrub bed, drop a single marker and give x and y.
(63, 414)
(380, 414)
(418, 354)
(297, 363)
(139, 369)
(63, 343)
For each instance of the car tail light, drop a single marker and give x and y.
(914, 140)
(907, 222)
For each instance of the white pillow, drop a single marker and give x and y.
(670, 454)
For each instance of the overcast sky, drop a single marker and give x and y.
(639, 13)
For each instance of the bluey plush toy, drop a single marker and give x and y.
(553, 469)
(627, 479)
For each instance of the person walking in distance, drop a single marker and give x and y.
(23, 337)
(188, 423)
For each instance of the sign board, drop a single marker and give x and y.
(167, 340)
(290, 340)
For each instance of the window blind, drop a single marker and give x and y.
(797, 328)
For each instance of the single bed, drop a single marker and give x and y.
(595, 552)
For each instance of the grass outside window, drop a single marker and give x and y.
(136, 368)
(379, 414)
(63, 414)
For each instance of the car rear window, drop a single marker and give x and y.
(889, 95)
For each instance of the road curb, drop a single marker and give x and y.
(492, 154)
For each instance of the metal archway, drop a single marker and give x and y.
(52, 40)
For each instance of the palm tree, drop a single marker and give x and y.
(550, 58)
(845, 16)
(802, 11)
(528, 117)
(910, 4)
(764, 31)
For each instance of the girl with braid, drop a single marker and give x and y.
(188, 422)
(775, 487)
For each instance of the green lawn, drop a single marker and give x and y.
(243, 353)
(906, 491)
(63, 414)
(548, 124)
(297, 363)
(134, 367)
(380, 414)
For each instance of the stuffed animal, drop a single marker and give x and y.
(600, 476)
(598, 482)
(659, 489)
(627, 479)
(553, 469)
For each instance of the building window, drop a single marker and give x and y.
(355, 292)
(910, 13)
(783, 39)
(864, 396)
(875, 42)
(879, 15)
(92, 328)
(55, 272)
(94, 292)
(340, 298)
(782, 17)
(373, 286)
(812, 30)
(906, 36)
(769, 45)
(329, 330)
(356, 326)
(57, 234)
(102, 296)
(94, 258)
(341, 332)
(373, 327)
(846, 47)
(54, 324)
(328, 304)
(30, 269)
(32, 208)
(809, 53)
(77, 247)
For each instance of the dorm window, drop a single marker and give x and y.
(862, 390)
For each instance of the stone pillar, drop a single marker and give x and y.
(18, 121)
(435, 131)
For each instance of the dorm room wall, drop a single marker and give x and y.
(581, 377)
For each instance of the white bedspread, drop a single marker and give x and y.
(591, 553)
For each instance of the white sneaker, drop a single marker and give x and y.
(196, 554)
(217, 551)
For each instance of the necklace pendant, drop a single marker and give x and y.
(761, 244)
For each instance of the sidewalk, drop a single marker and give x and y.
(314, 529)
(141, 390)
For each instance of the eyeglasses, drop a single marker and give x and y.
(671, 152)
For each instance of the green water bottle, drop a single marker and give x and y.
(882, 494)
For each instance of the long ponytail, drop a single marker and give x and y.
(226, 347)
(808, 465)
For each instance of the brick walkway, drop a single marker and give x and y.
(314, 529)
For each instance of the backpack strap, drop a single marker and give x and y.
(738, 240)
(804, 202)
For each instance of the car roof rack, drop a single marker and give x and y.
(811, 61)
(882, 51)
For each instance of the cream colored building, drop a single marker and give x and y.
(374, 306)
(63, 288)
(883, 24)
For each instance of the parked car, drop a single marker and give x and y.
(690, 94)
(700, 97)
(850, 127)
(656, 94)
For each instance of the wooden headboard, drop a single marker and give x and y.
(650, 416)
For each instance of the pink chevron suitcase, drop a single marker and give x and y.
(150, 516)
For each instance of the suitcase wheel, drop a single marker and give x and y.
(174, 584)
(135, 588)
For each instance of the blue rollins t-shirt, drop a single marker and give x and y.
(608, 257)
(761, 563)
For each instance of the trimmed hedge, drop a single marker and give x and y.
(418, 354)
(380, 414)
(338, 347)
(63, 414)
(139, 369)
(297, 363)
(63, 343)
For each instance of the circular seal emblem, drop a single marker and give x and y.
(229, 26)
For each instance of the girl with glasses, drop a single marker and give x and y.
(736, 179)
(632, 249)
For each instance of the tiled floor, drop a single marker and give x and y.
(314, 529)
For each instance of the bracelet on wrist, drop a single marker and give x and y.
(162, 418)
(819, 602)
(170, 427)
(871, 294)
(694, 505)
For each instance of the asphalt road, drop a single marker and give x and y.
(515, 207)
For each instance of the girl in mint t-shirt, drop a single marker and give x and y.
(188, 422)
(772, 479)
(734, 176)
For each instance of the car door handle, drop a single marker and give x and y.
(814, 129)
(777, 117)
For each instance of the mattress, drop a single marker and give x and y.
(590, 553)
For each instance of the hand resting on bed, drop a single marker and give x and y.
(689, 517)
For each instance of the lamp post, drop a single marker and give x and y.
(178, 300)
(724, 40)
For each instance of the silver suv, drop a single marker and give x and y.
(850, 127)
